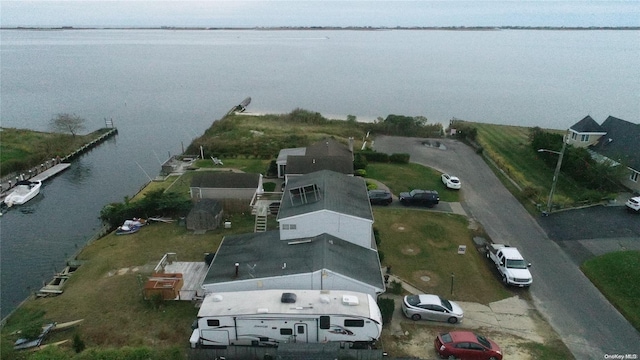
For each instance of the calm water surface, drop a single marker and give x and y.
(164, 88)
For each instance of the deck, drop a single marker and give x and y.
(193, 274)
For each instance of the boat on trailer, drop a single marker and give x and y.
(270, 317)
(24, 191)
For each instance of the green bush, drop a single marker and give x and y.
(387, 307)
(373, 156)
(399, 158)
(361, 172)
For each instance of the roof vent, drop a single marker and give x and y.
(217, 298)
(324, 299)
(288, 298)
(350, 300)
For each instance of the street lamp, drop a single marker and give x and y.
(557, 171)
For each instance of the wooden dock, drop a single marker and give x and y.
(50, 172)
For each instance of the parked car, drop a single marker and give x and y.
(633, 204)
(429, 198)
(380, 197)
(466, 345)
(431, 307)
(451, 182)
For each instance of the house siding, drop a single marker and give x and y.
(308, 281)
(349, 228)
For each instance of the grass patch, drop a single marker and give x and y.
(616, 276)
(419, 244)
(405, 177)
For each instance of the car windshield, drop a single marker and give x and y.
(414, 192)
(446, 338)
(446, 304)
(413, 300)
(483, 340)
(455, 181)
(516, 264)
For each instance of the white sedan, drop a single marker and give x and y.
(431, 307)
(451, 182)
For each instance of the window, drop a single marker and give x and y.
(584, 137)
(634, 176)
(574, 136)
(288, 226)
(354, 323)
(213, 322)
(300, 329)
(286, 331)
(325, 322)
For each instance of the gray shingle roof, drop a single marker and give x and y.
(309, 164)
(225, 180)
(587, 125)
(621, 142)
(262, 255)
(337, 192)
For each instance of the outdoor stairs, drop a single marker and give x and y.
(261, 223)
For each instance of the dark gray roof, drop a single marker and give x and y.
(308, 164)
(225, 180)
(587, 125)
(208, 205)
(336, 192)
(263, 254)
(621, 142)
(329, 147)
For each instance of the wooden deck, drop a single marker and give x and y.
(193, 273)
(52, 171)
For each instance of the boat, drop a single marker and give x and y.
(24, 191)
(130, 226)
(36, 344)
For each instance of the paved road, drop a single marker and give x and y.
(588, 324)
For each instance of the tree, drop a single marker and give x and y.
(67, 123)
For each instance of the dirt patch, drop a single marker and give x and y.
(512, 323)
(410, 249)
(425, 278)
(398, 227)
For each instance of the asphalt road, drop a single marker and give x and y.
(588, 324)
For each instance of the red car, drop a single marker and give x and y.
(466, 345)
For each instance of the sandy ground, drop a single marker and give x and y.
(510, 323)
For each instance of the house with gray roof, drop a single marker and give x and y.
(585, 132)
(328, 153)
(615, 140)
(262, 260)
(234, 190)
(326, 202)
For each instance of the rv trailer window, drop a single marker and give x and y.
(213, 322)
(354, 323)
(286, 331)
(325, 322)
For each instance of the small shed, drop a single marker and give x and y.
(205, 215)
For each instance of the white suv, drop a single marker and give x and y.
(633, 204)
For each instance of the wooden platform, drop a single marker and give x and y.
(52, 171)
(193, 274)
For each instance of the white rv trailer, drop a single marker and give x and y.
(268, 317)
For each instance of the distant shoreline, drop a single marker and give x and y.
(356, 28)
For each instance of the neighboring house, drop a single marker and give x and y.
(330, 148)
(616, 140)
(585, 133)
(621, 144)
(327, 202)
(261, 261)
(205, 215)
(223, 185)
(233, 190)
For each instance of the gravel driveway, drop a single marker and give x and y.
(588, 324)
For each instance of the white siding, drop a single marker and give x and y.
(349, 228)
(309, 281)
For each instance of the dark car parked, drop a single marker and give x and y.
(380, 197)
(428, 198)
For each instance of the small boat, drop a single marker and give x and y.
(36, 344)
(130, 226)
(25, 190)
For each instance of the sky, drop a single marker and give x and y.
(271, 13)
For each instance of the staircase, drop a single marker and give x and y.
(261, 211)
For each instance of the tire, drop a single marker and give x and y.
(493, 358)
(452, 320)
(451, 357)
(504, 280)
(416, 317)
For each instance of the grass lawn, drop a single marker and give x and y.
(616, 275)
(418, 244)
(405, 177)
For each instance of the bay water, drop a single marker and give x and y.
(163, 88)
